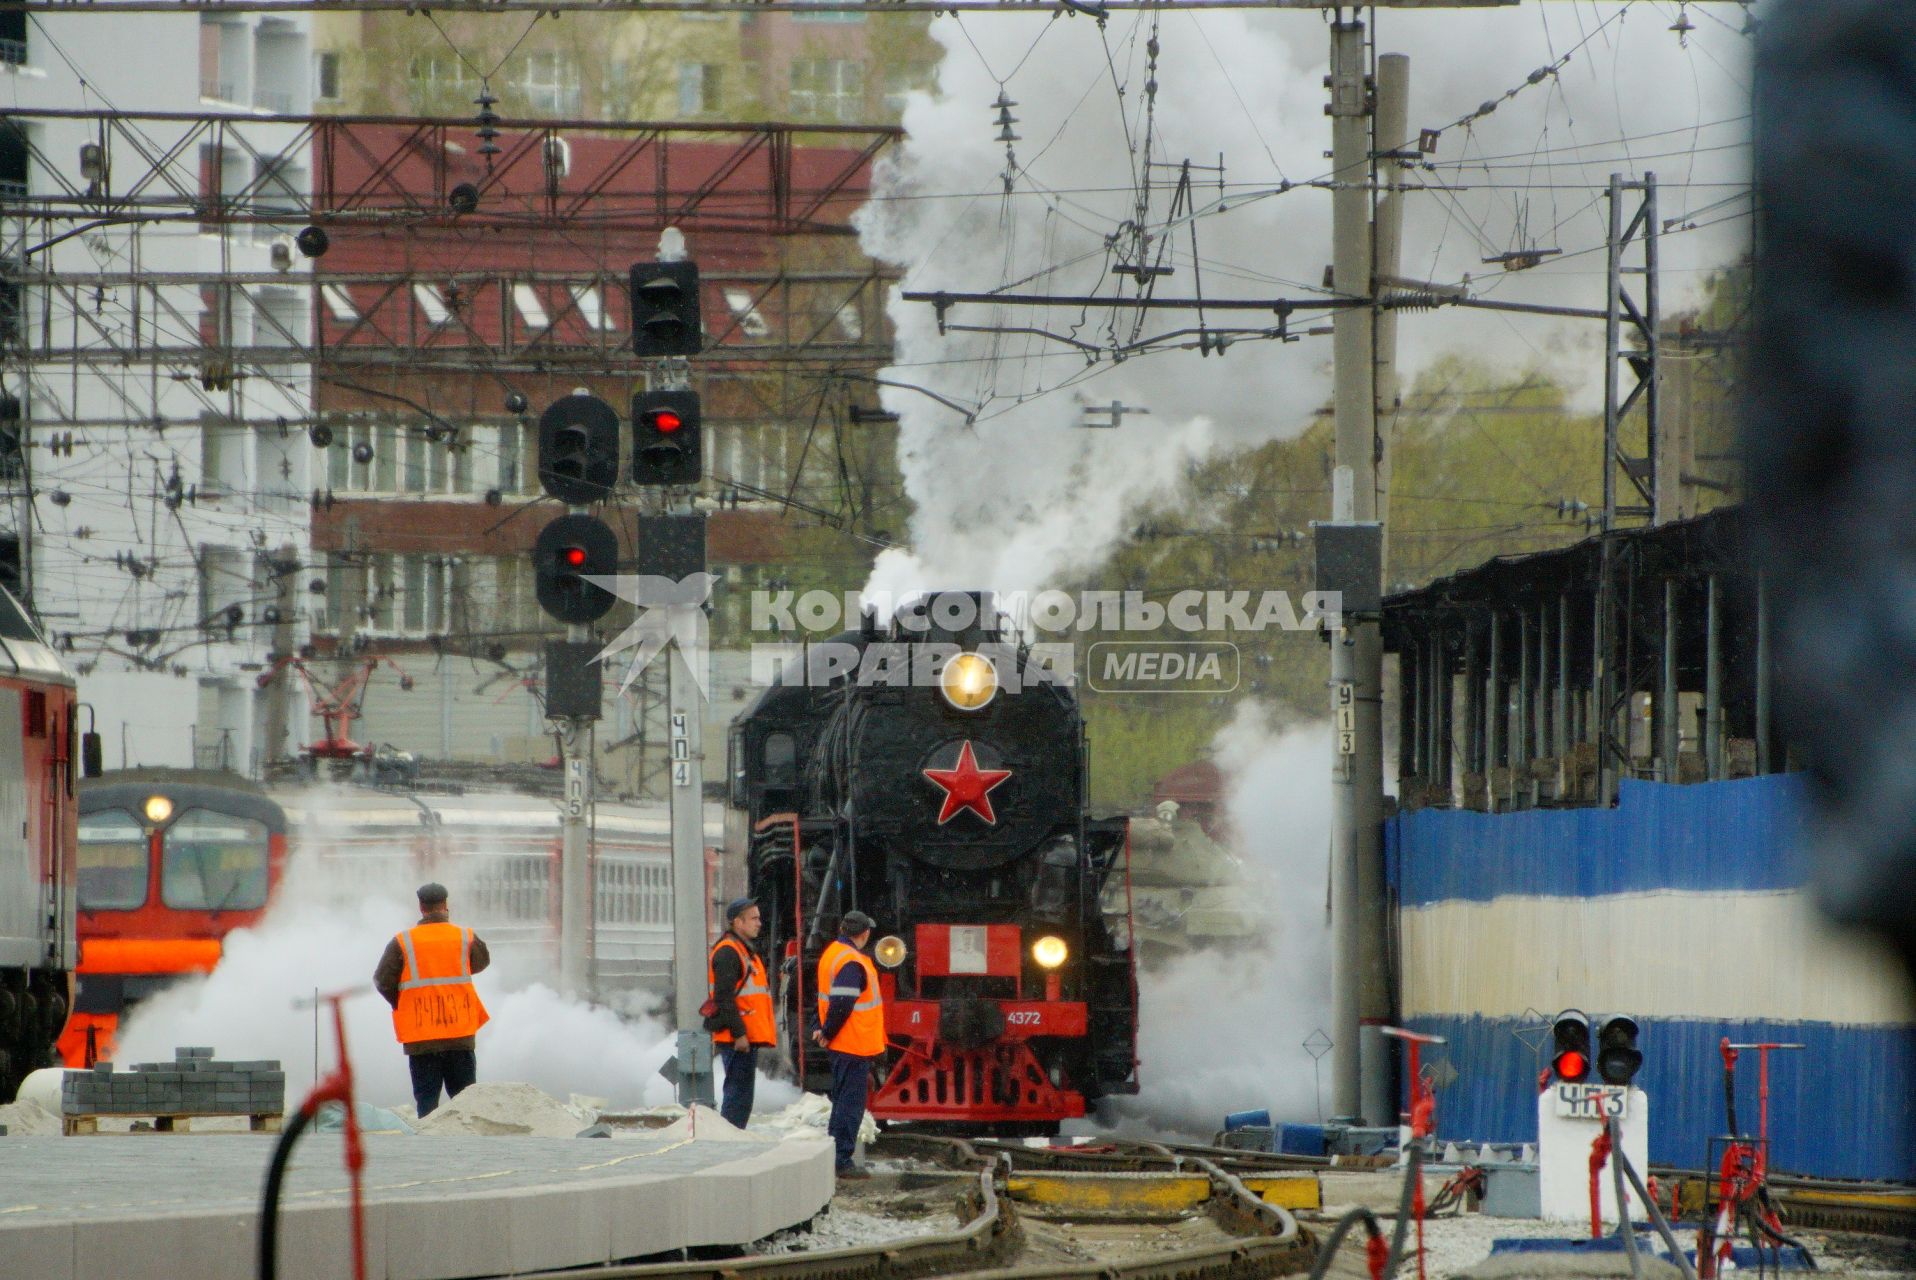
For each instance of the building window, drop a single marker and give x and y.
(339, 303)
(592, 310)
(224, 50)
(701, 90)
(224, 582)
(750, 322)
(828, 88)
(13, 161)
(440, 79)
(432, 303)
(398, 458)
(532, 310)
(517, 454)
(512, 603)
(13, 39)
(281, 318)
(373, 441)
(827, 15)
(279, 187)
(222, 455)
(381, 587)
(422, 594)
(281, 63)
(550, 83)
(326, 75)
(900, 82)
(851, 324)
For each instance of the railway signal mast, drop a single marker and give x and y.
(578, 464)
(667, 459)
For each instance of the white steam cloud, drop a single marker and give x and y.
(1022, 492)
(326, 931)
(1224, 1030)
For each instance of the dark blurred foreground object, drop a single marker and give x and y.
(1832, 430)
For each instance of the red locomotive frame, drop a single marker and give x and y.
(39, 766)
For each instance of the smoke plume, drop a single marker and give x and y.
(1225, 1029)
(1012, 483)
(325, 932)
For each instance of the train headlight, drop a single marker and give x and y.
(969, 681)
(157, 809)
(1050, 951)
(889, 951)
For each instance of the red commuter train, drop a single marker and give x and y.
(170, 862)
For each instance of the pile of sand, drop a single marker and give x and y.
(703, 1125)
(502, 1109)
(28, 1120)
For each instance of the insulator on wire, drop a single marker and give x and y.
(488, 125)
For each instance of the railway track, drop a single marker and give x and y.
(1820, 1204)
(1140, 1210)
(1017, 1216)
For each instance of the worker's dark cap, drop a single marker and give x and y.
(737, 907)
(855, 922)
(432, 895)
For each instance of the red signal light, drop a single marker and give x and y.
(573, 557)
(665, 422)
(1571, 1065)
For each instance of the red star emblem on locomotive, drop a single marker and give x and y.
(967, 786)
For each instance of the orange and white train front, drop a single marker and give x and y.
(167, 868)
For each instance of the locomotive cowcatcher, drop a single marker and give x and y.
(932, 774)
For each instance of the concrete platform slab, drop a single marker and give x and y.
(153, 1207)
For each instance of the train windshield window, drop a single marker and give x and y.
(781, 760)
(213, 862)
(112, 862)
(14, 624)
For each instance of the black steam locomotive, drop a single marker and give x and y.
(932, 774)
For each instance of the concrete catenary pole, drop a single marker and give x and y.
(1392, 131)
(575, 860)
(1391, 134)
(1356, 650)
(686, 706)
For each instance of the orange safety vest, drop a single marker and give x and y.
(436, 997)
(754, 995)
(864, 1032)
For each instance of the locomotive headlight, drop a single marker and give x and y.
(1050, 951)
(157, 809)
(889, 951)
(969, 681)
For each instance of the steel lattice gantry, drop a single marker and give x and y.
(429, 320)
(764, 179)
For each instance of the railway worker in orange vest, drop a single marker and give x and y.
(851, 1013)
(426, 976)
(741, 1020)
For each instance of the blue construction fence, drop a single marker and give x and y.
(1845, 1106)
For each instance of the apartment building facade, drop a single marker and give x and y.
(153, 369)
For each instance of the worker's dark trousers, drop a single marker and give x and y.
(741, 1075)
(453, 1068)
(851, 1083)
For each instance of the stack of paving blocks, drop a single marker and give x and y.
(194, 1083)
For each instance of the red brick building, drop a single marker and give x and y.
(428, 500)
